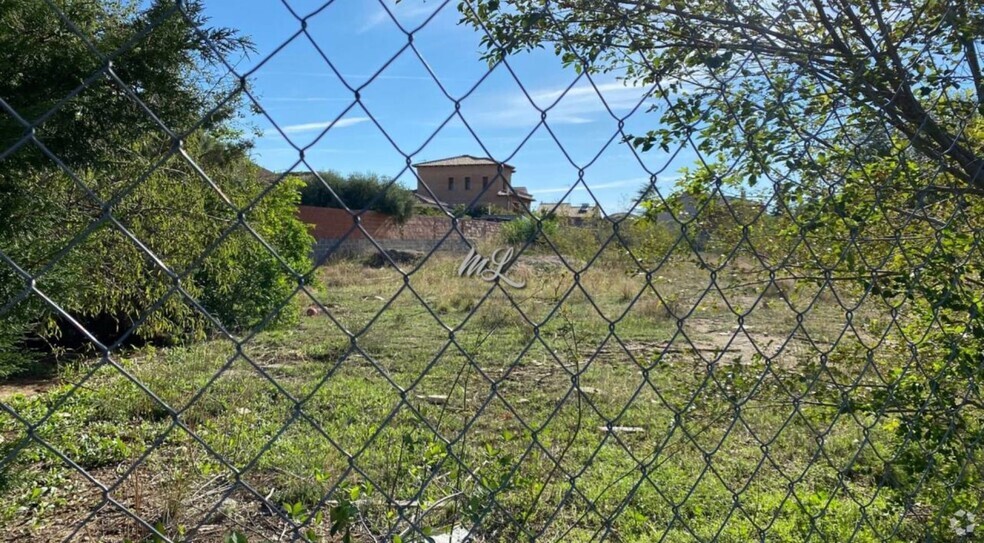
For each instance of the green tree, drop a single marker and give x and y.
(899, 230)
(763, 83)
(103, 205)
(357, 191)
(864, 120)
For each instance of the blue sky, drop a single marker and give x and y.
(302, 94)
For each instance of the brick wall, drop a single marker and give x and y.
(328, 223)
(328, 226)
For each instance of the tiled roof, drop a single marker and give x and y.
(568, 210)
(430, 202)
(523, 193)
(519, 192)
(463, 160)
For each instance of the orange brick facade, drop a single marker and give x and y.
(329, 223)
(448, 184)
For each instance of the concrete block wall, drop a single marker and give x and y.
(333, 248)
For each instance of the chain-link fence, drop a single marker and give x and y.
(779, 338)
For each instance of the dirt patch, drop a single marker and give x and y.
(26, 386)
(85, 517)
(548, 261)
(378, 260)
(708, 341)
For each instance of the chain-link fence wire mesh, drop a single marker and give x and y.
(786, 349)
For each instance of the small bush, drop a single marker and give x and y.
(652, 308)
(474, 211)
(498, 313)
(529, 229)
(456, 300)
(648, 240)
(577, 242)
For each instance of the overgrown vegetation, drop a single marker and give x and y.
(804, 367)
(108, 213)
(667, 399)
(357, 192)
(535, 229)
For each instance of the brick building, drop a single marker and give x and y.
(461, 179)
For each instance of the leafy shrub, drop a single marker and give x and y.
(476, 211)
(12, 360)
(529, 228)
(648, 240)
(242, 282)
(108, 283)
(579, 242)
(358, 191)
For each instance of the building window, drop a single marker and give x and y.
(485, 182)
(468, 183)
(450, 183)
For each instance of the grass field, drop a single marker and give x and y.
(712, 409)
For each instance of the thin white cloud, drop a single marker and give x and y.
(634, 182)
(618, 95)
(311, 127)
(405, 12)
(579, 104)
